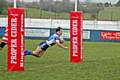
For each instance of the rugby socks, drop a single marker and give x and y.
(27, 52)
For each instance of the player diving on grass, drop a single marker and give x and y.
(4, 40)
(43, 46)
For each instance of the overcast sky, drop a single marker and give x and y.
(103, 1)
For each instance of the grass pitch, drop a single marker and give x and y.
(101, 61)
(109, 13)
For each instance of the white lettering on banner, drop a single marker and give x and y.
(74, 28)
(22, 24)
(21, 61)
(75, 40)
(22, 41)
(13, 33)
(13, 41)
(13, 51)
(13, 22)
(14, 27)
(22, 51)
(16, 39)
(75, 48)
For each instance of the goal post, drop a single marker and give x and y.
(15, 39)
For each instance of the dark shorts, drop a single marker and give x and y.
(44, 46)
(2, 44)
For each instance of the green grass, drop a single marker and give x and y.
(109, 13)
(37, 13)
(101, 61)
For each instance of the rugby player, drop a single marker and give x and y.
(4, 40)
(43, 46)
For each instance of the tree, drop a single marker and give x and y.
(107, 4)
(118, 4)
(100, 6)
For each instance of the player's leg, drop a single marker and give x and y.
(35, 52)
(38, 52)
(41, 53)
(0, 48)
(2, 45)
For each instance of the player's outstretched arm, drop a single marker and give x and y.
(61, 45)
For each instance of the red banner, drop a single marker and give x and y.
(110, 35)
(76, 36)
(15, 39)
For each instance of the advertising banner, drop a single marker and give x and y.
(15, 39)
(110, 35)
(76, 36)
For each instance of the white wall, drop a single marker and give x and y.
(53, 23)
